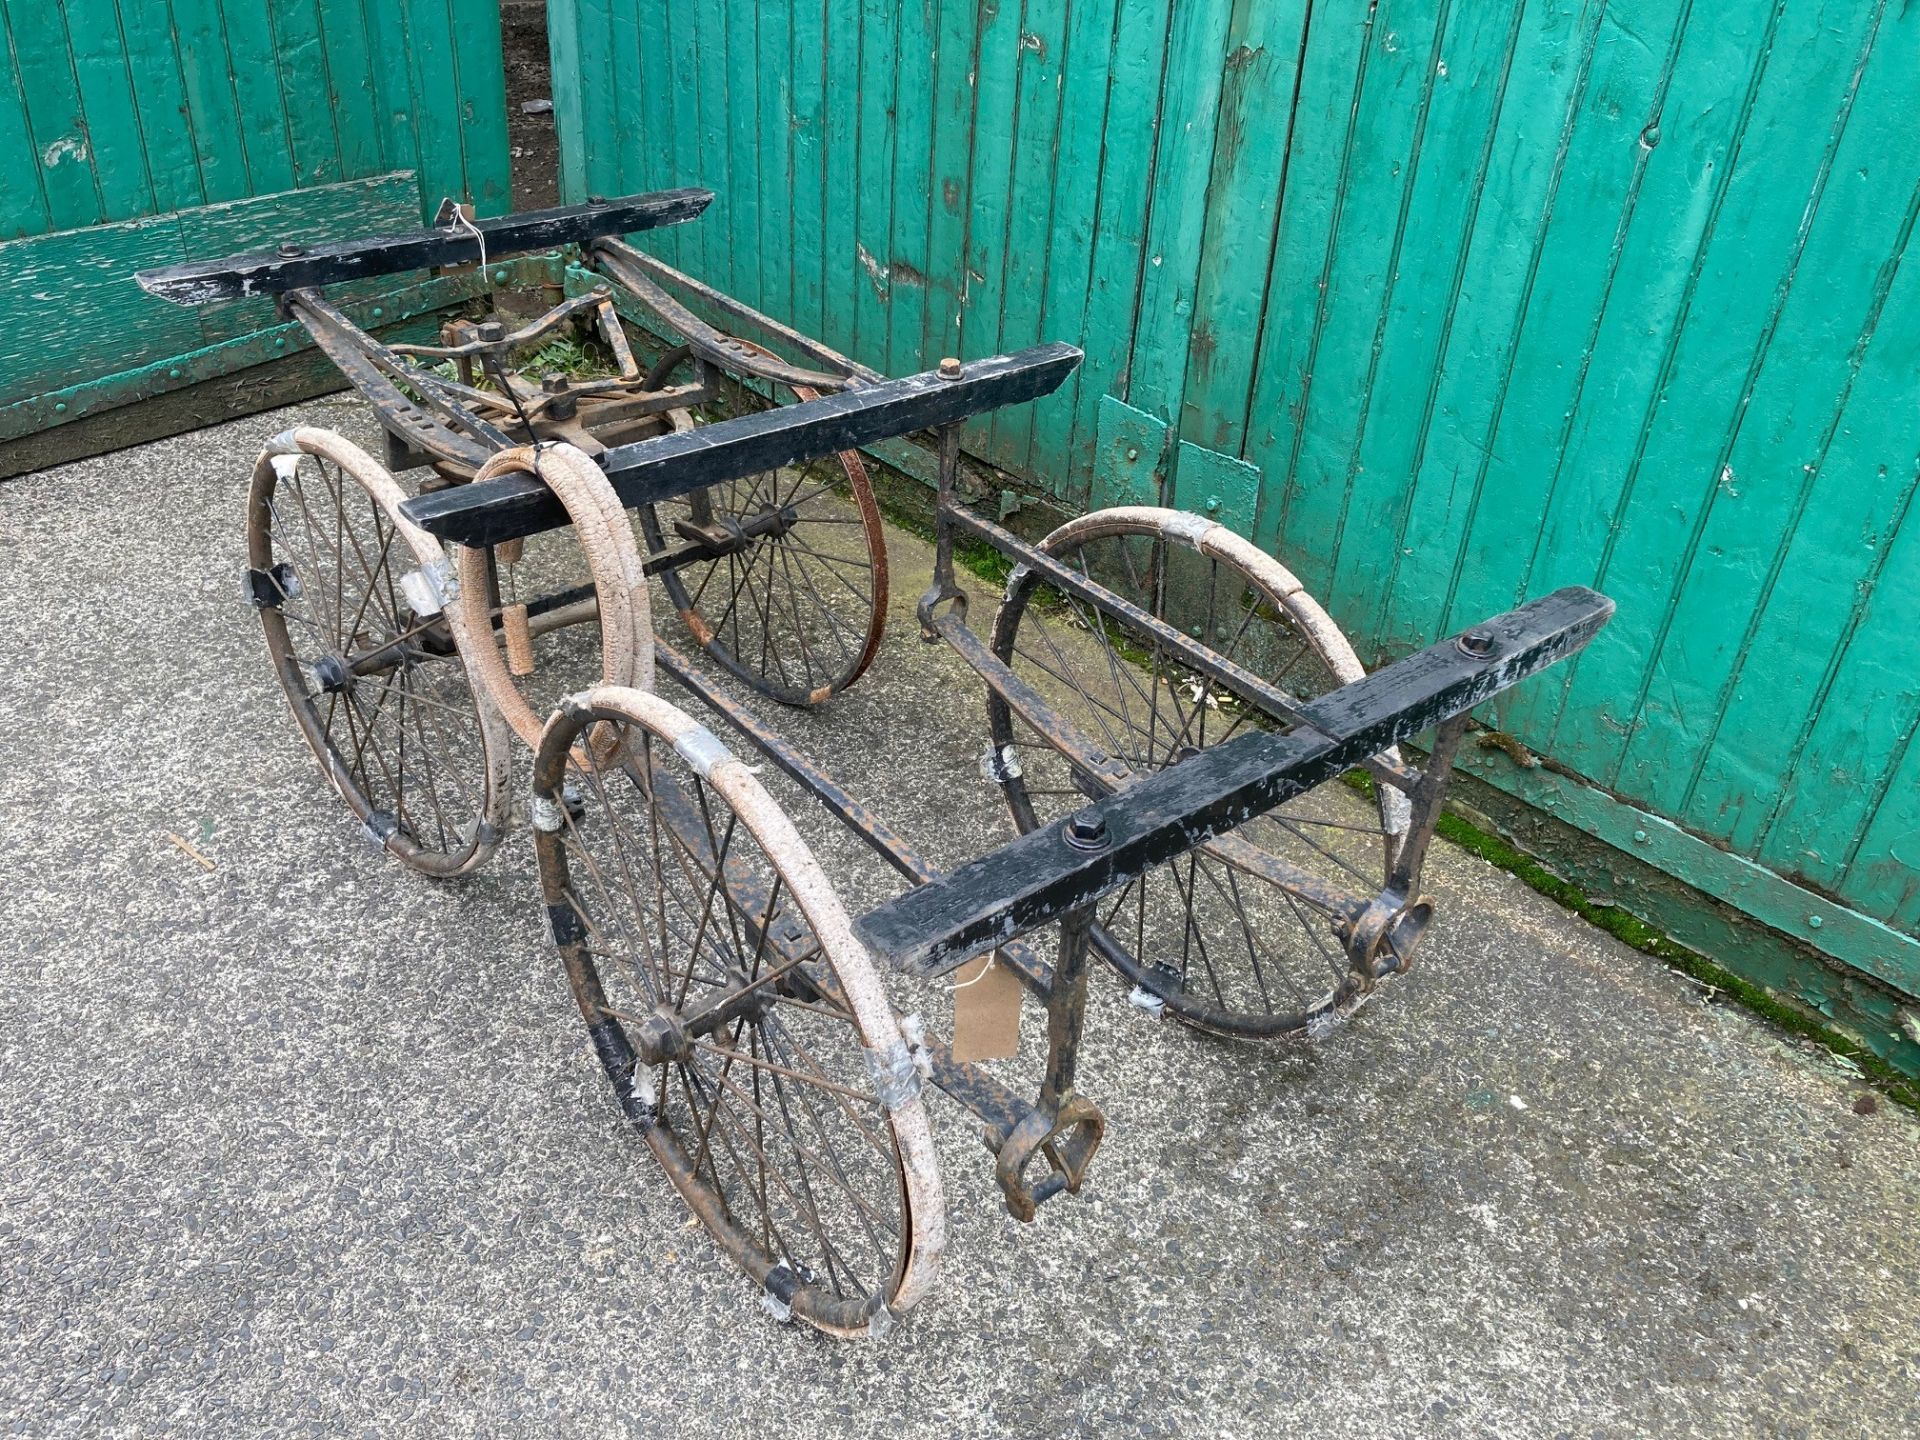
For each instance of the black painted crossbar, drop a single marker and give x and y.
(649, 471)
(273, 272)
(1041, 876)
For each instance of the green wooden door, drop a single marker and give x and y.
(138, 132)
(1448, 304)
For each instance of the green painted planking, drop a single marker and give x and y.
(138, 132)
(1086, 89)
(1362, 277)
(1545, 91)
(1031, 198)
(23, 202)
(949, 195)
(1264, 44)
(71, 307)
(1497, 295)
(873, 182)
(1329, 106)
(1176, 217)
(160, 104)
(1773, 448)
(57, 121)
(1118, 252)
(1834, 565)
(1751, 239)
(1579, 254)
(909, 261)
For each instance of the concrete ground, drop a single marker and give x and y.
(306, 1144)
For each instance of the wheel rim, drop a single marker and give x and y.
(798, 613)
(404, 740)
(1212, 936)
(661, 884)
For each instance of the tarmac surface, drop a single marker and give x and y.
(306, 1144)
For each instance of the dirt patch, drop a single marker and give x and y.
(535, 144)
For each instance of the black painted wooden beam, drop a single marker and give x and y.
(1044, 874)
(659, 469)
(296, 267)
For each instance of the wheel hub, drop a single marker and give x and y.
(332, 674)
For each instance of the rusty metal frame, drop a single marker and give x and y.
(1052, 875)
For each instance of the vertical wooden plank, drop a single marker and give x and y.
(436, 101)
(1850, 762)
(1363, 268)
(1616, 133)
(23, 204)
(117, 149)
(1129, 138)
(1825, 694)
(996, 121)
(357, 123)
(950, 198)
(1327, 172)
(719, 221)
(305, 88)
(1189, 113)
(808, 81)
(62, 148)
(480, 76)
(658, 140)
(393, 89)
(1264, 44)
(247, 35)
(564, 18)
(908, 259)
(1667, 454)
(774, 120)
(633, 160)
(689, 165)
(1852, 222)
(1544, 90)
(213, 107)
(159, 95)
(873, 172)
(841, 275)
(1032, 194)
(1086, 88)
(741, 77)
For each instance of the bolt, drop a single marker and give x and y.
(1639, 837)
(499, 277)
(279, 342)
(1814, 922)
(1086, 830)
(596, 199)
(59, 407)
(491, 331)
(378, 311)
(174, 373)
(1213, 503)
(950, 368)
(291, 251)
(1133, 453)
(1477, 642)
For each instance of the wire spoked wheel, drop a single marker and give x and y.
(354, 601)
(1240, 936)
(795, 603)
(741, 1024)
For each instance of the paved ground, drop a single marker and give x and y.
(305, 1144)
